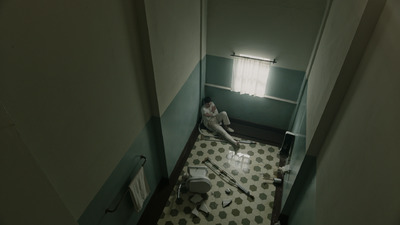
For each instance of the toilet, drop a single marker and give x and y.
(198, 182)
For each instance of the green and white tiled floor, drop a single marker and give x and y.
(264, 161)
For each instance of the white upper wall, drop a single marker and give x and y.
(285, 30)
(72, 82)
(175, 42)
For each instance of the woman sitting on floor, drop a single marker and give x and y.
(212, 120)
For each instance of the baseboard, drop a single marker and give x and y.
(283, 219)
(257, 132)
(255, 125)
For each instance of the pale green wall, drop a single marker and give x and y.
(203, 64)
(252, 109)
(219, 70)
(300, 122)
(180, 118)
(282, 83)
(297, 156)
(177, 124)
(176, 48)
(360, 154)
(270, 29)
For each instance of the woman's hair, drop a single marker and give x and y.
(207, 99)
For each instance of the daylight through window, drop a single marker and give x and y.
(250, 76)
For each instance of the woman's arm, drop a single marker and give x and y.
(206, 112)
(214, 109)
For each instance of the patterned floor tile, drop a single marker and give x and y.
(252, 166)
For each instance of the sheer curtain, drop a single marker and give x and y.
(250, 76)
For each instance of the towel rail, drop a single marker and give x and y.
(143, 157)
(108, 210)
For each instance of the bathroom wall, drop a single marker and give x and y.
(298, 197)
(203, 62)
(347, 31)
(285, 31)
(73, 85)
(180, 118)
(171, 126)
(113, 190)
(297, 156)
(87, 87)
(304, 210)
(175, 45)
(32, 195)
(330, 57)
(358, 125)
(363, 141)
(283, 83)
(176, 48)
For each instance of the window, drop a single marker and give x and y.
(250, 76)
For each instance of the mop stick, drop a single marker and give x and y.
(225, 176)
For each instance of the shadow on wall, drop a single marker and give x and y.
(117, 184)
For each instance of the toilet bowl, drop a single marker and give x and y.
(198, 181)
